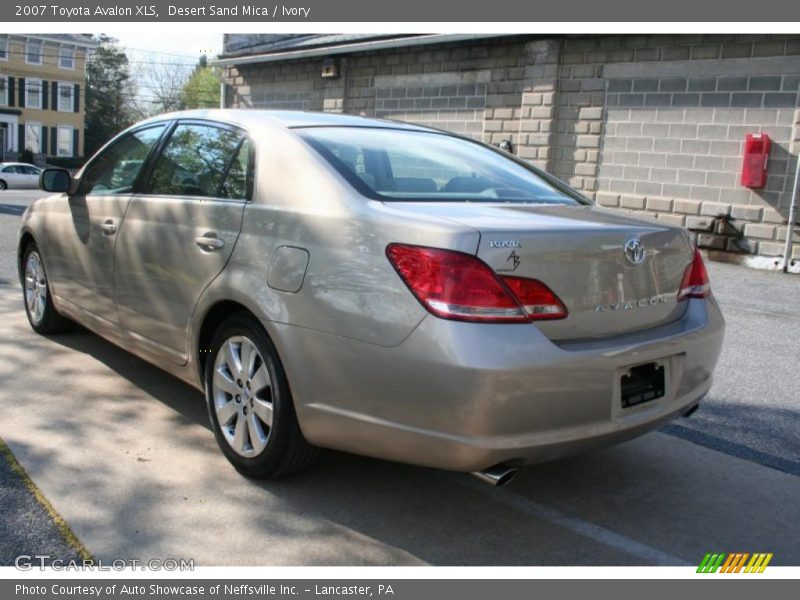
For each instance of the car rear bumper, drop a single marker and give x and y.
(465, 396)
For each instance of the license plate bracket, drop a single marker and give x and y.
(642, 383)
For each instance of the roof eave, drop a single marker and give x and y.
(419, 40)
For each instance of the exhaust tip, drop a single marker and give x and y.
(691, 411)
(497, 475)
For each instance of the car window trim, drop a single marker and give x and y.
(146, 190)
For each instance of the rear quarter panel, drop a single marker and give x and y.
(350, 289)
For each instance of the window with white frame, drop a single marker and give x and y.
(66, 57)
(33, 52)
(66, 97)
(3, 90)
(33, 137)
(33, 93)
(64, 146)
(3, 47)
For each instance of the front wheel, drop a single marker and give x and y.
(39, 307)
(250, 405)
(3, 185)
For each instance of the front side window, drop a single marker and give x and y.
(115, 170)
(64, 146)
(33, 52)
(33, 137)
(66, 57)
(396, 164)
(195, 162)
(66, 94)
(33, 93)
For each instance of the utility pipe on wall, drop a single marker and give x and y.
(787, 252)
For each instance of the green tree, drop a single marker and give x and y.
(108, 92)
(201, 90)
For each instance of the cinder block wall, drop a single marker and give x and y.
(649, 124)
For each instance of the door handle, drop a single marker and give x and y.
(109, 227)
(209, 242)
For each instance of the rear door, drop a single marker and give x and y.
(179, 234)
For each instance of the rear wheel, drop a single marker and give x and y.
(3, 185)
(250, 405)
(39, 307)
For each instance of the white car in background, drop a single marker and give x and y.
(19, 176)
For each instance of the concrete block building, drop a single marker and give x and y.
(42, 90)
(652, 124)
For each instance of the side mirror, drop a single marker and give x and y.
(55, 180)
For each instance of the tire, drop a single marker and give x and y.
(259, 433)
(42, 314)
(3, 185)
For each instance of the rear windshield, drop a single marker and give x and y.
(395, 164)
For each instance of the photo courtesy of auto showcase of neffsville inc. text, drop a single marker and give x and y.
(405, 302)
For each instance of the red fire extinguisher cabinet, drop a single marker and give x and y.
(754, 163)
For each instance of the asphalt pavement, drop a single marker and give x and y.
(29, 526)
(124, 453)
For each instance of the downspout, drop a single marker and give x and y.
(222, 94)
(787, 252)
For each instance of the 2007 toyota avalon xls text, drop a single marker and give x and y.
(374, 287)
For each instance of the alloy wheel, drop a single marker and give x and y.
(35, 287)
(241, 388)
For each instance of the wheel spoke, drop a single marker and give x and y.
(232, 359)
(257, 437)
(260, 379)
(226, 412)
(239, 435)
(248, 354)
(224, 383)
(263, 410)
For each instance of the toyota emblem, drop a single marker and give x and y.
(634, 251)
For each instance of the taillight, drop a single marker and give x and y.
(695, 282)
(537, 300)
(454, 285)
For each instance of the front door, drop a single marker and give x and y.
(82, 256)
(178, 235)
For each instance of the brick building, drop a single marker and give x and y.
(653, 124)
(42, 86)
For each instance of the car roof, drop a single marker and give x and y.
(11, 164)
(285, 119)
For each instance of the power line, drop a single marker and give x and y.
(162, 53)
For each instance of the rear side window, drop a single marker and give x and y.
(238, 183)
(202, 160)
(115, 170)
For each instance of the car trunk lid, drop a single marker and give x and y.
(579, 252)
